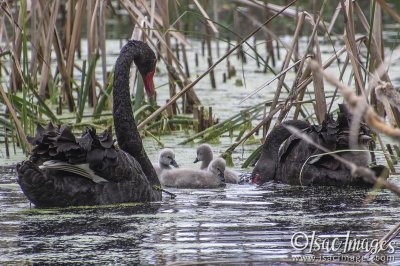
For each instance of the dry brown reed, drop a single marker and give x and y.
(62, 41)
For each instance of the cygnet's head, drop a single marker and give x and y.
(167, 157)
(217, 167)
(204, 153)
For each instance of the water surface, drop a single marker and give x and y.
(239, 223)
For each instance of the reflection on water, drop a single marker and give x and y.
(240, 223)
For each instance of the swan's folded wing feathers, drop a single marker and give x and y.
(123, 168)
(98, 152)
(325, 161)
(38, 138)
(66, 134)
(31, 140)
(95, 155)
(85, 141)
(106, 144)
(326, 140)
(105, 138)
(39, 131)
(111, 153)
(82, 170)
(65, 147)
(40, 149)
(50, 127)
(53, 152)
(76, 158)
(330, 125)
(287, 147)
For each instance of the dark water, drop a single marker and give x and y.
(238, 224)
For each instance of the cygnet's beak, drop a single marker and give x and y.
(173, 162)
(196, 160)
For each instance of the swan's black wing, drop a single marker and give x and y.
(299, 162)
(98, 151)
(332, 134)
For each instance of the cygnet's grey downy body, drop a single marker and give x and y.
(165, 160)
(195, 178)
(205, 156)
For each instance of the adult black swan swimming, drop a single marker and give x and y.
(65, 171)
(298, 163)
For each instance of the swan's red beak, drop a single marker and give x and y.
(255, 179)
(149, 84)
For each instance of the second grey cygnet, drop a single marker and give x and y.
(205, 156)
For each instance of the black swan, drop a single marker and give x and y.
(66, 171)
(295, 163)
(165, 160)
(205, 156)
(195, 178)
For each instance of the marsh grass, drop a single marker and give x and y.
(44, 69)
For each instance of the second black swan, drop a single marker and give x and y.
(297, 162)
(65, 171)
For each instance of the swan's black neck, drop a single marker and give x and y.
(125, 127)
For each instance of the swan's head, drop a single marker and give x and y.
(217, 168)
(263, 171)
(204, 153)
(167, 157)
(145, 61)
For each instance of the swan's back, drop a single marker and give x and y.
(195, 178)
(299, 163)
